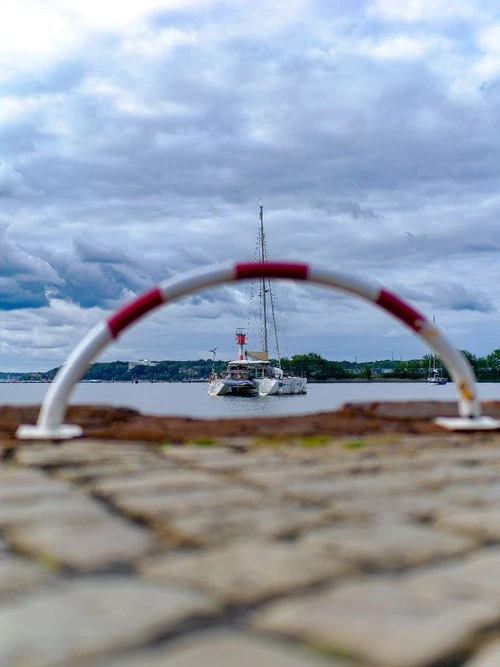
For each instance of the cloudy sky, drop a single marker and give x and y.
(137, 138)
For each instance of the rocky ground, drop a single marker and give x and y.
(363, 538)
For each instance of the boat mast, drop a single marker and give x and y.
(263, 258)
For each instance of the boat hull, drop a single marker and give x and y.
(223, 387)
(261, 387)
(282, 386)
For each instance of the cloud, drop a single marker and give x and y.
(138, 139)
(450, 295)
(399, 47)
(11, 182)
(420, 10)
(24, 277)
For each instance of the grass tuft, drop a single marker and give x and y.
(314, 440)
(203, 441)
(354, 444)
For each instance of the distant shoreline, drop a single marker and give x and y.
(365, 381)
(201, 381)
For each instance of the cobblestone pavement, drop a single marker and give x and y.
(379, 551)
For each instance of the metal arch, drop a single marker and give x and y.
(50, 426)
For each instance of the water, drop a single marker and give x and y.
(191, 399)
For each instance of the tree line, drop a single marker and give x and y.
(310, 365)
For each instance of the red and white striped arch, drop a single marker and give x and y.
(50, 425)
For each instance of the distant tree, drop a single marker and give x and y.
(410, 370)
(471, 358)
(482, 368)
(311, 365)
(336, 370)
(493, 365)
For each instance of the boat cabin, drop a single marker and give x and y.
(250, 369)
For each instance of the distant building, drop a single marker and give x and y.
(141, 362)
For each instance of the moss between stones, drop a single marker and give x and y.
(314, 440)
(354, 444)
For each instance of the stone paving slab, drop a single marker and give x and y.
(211, 527)
(91, 472)
(19, 574)
(65, 508)
(225, 649)
(158, 506)
(162, 479)
(83, 544)
(88, 451)
(484, 523)
(244, 571)
(487, 657)
(386, 544)
(383, 622)
(477, 576)
(85, 619)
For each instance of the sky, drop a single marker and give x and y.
(137, 139)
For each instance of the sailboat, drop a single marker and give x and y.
(253, 374)
(434, 374)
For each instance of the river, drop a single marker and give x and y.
(191, 399)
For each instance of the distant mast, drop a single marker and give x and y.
(263, 258)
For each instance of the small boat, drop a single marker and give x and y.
(253, 374)
(435, 377)
(435, 374)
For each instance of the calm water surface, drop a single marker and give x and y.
(191, 399)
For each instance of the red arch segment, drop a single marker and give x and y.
(406, 313)
(132, 311)
(272, 270)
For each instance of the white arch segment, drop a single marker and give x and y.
(50, 426)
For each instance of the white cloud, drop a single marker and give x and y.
(34, 36)
(399, 47)
(116, 14)
(486, 67)
(421, 10)
(156, 43)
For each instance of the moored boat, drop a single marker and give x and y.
(254, 377)
(253, 373)
(436, 377)
(435, 374)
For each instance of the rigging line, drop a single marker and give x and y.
(279, 316)
(273, 315)
(248, 300)
(252, 317)
(263, 257)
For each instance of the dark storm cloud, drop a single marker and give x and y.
(24, 278)
(98, 275)
(450, 295)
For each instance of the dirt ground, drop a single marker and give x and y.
(350, 420)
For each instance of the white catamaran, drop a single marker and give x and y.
(252, 374)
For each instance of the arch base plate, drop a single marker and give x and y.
(61, 432)
(465, 424)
